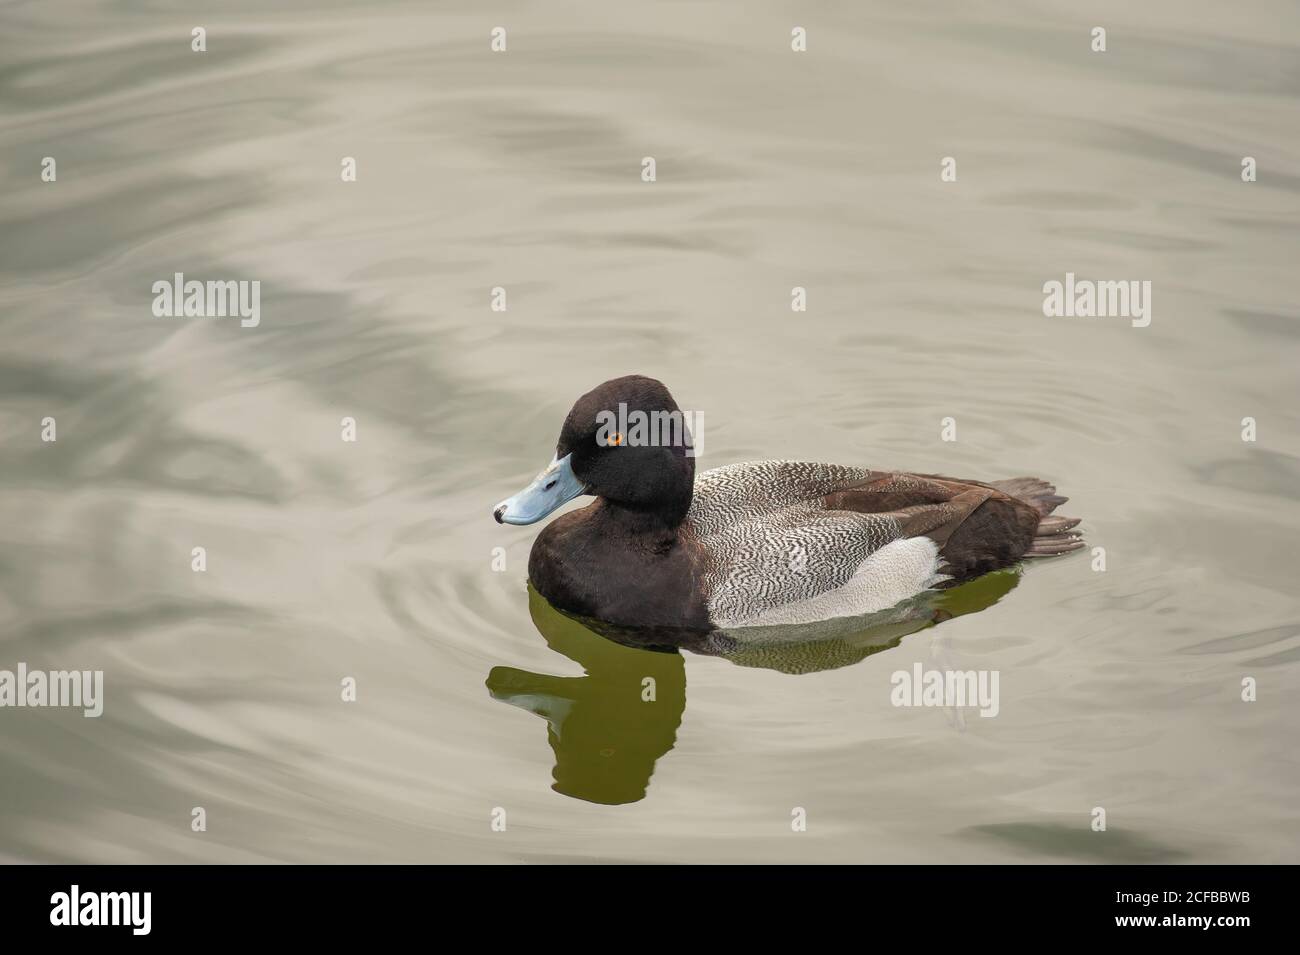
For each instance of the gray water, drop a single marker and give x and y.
(374, 560)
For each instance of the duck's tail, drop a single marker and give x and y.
(1052, 537)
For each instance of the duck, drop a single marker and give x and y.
(759, 543)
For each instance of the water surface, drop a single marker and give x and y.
(374, 560)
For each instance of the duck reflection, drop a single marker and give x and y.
(608, 727)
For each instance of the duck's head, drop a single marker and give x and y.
(624, 441)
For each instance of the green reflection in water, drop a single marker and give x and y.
(605, 734)
(608, 727)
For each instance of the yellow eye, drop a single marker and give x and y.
(616, 438)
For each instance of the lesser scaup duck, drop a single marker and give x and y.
(755, 544)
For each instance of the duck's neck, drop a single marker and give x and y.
(658, 522)
(655, 506)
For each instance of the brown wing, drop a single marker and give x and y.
(977, 526)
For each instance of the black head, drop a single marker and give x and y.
(630, 445)
(626, 442)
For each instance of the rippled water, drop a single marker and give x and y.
(373, 560)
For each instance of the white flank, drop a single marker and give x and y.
(897, 571)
